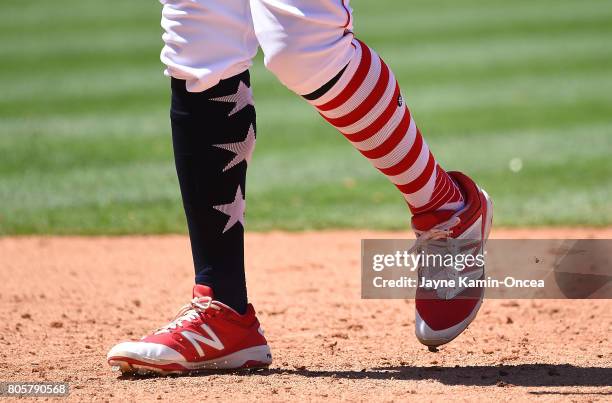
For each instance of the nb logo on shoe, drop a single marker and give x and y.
(195, 339)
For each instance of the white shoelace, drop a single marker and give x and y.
(189, 312)
(440, 231)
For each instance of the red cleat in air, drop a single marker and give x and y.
(444, 313)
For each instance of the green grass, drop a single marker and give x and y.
(84, 131)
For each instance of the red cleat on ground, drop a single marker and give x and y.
(205, 335)
(444, 313)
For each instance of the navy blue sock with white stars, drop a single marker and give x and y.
(213, 135)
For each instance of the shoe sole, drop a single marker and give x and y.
(451, 333)
(459, 328)
(252, 358)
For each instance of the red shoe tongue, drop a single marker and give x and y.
(200, 290)
(426, 221)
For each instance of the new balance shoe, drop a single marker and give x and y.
(205, 335)
(443, 313)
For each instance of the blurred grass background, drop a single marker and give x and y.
(516, 94)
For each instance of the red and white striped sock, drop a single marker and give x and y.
(366, 105)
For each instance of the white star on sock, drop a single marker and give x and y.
(243, 149)
(242, 98)
(235, 210)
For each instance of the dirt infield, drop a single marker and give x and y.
(64, 301)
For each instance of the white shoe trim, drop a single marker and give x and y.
(234, 360)
(143, 351)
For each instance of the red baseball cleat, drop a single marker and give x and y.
(443, 313)
(205, 335)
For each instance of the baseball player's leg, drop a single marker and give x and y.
(208, 49)
(213, 133)
(309, 46)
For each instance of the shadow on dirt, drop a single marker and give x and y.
(527, 375)
(502, 375)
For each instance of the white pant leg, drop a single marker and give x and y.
(305, 42)
(207, 40)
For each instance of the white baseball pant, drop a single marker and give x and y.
(305, 42)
